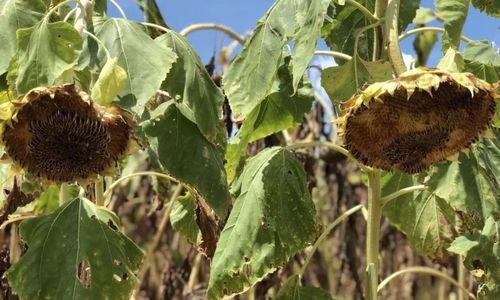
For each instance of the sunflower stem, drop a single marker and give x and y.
(99, 191)
(64, 195)
(392, 31)
(424, 270)
(373, 233)
(402, 192)
(212, 26)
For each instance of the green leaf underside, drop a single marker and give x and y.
(279, 111)
(45, 51)
(201, 99)
(183, 217)
(146, 62)
(292, 289)
(423, 217)
(481, 252)
(454, 14)
(59, 242)
(341, 82)
(310, 16)
(452, 61)
(250, 77)
(14, 15)
(183, 152)
(273, 217)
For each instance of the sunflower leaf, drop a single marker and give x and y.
(76, 252)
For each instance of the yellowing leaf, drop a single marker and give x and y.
(112, 80)
(452, 61)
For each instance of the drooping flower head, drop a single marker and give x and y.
(422, 117)
(61, 135)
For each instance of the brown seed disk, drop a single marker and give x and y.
(411, 134)
(60, 137)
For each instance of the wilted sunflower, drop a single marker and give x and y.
(422, 117)
(61, 135)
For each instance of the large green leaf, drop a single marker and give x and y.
(250, 77)
(14, 15)
(201, 100)
(292, 289)
(482, 60)
(183, 217)
(310, 17)
(182, 151)
(273, 217)
(281, 110)
(45, 51)
(481, 252)
(425, 218)
(470, 184)
(490, 7)
(453, 13)
(339, 33)
(62, 245)
(146, 62)
(341, 82)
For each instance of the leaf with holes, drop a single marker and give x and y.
(76, 252)
(273, 217)
(45, 51)
(147, 63)
(181, 150)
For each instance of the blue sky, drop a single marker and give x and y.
(241, 15)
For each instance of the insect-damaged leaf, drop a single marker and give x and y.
(273, 217)
(45, 51)
(146, 62)
(201, 100)
(343, 81)
(76, 252)
(112, 80)
(14, 15)
(481, 252)
(183, 152)
(292, 289)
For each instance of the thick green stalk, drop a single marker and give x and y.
(64, 195)
(378, 36)
(373, 231)
(99, 192)
(392, 31)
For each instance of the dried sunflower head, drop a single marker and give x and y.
(422, 117)
(61, 135)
